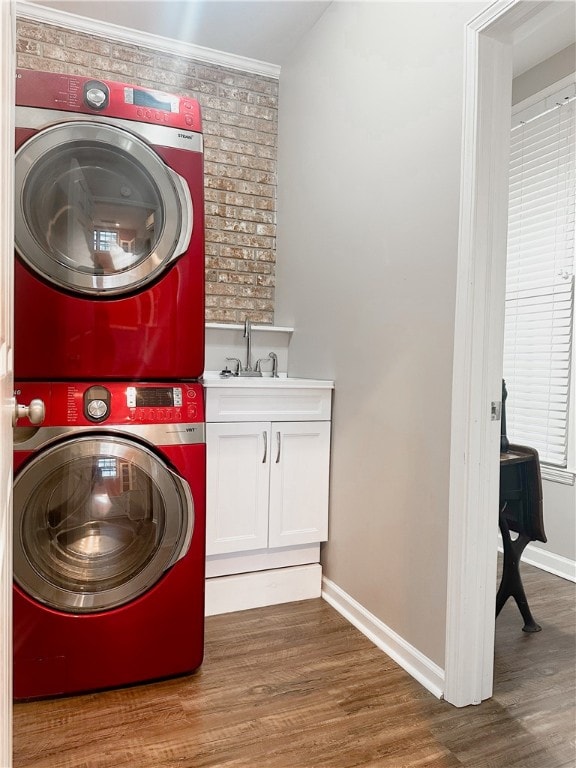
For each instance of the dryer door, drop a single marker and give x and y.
(97, 521)
(97, 210)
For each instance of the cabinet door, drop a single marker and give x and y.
(299, 473)
(238, 460)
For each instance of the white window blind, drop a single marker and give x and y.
(540, 282)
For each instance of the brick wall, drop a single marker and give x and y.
(240, 118)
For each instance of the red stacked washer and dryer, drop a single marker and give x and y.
(109, 486)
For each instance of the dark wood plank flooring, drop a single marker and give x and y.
(296, 686)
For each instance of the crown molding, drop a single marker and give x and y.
(114, 32)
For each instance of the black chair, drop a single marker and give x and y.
(522, 512)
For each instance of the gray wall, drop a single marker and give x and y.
(369, 170)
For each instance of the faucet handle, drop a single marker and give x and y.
(274, 357)
(238, 364)
(271, 356)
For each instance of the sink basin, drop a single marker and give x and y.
(288, 382)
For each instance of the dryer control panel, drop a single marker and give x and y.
(115, 403)
(46, 90)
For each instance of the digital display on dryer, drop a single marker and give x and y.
(151, 99)
(154, 397)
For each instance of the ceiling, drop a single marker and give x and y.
(268, 30)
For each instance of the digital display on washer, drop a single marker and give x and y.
(151, 99)
(154, 397)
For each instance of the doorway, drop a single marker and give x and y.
(478, 348)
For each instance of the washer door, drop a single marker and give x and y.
(97, 210)
(97, 521)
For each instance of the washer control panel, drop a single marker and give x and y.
(115, 402)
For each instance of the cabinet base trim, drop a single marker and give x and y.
(225, 594)
(423, 669)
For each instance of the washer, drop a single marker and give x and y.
(109, 231)
(109, 530)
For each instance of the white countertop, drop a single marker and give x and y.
(213, 379)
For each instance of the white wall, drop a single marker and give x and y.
(369, 168)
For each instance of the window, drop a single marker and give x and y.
(104, 239)
(540, 277)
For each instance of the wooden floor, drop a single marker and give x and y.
(296, 686)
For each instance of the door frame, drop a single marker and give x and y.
(7, 86)
(478, 346)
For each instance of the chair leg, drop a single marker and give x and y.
(511, 583)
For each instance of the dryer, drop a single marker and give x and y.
(109, 528)
(109, 231)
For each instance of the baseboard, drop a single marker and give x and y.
(548, 561)
(243, 591)
(428, 674)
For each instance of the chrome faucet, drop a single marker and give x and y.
(248, 337)
(248, 370)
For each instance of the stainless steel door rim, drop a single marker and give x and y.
(77, 179)
(97, 521)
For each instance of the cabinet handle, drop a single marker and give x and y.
(265, 436)
(278, 442)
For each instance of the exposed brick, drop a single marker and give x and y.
(28, 46)
(43, 32)
(263, 100)
(258, 267)
(93, 44)
(219, 263)
(248, 128)
(220, 156)
(81, 58)
(25, 61)
(237, 278)
(268, 280)
(261, 163)
(263, 113)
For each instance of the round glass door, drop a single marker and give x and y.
(97, 211)
(97, 521)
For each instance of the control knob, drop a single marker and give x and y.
(96, 94)
(97, 409)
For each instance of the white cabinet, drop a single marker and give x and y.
(238, 478)
(268, 454)
(299, 468)
(267, 485)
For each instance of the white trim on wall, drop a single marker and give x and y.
(428, 674)
(477, 379)
(114, 32)
(546, 561)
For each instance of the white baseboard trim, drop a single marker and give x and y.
(428, 674)
(225, 594)
(548, 561)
